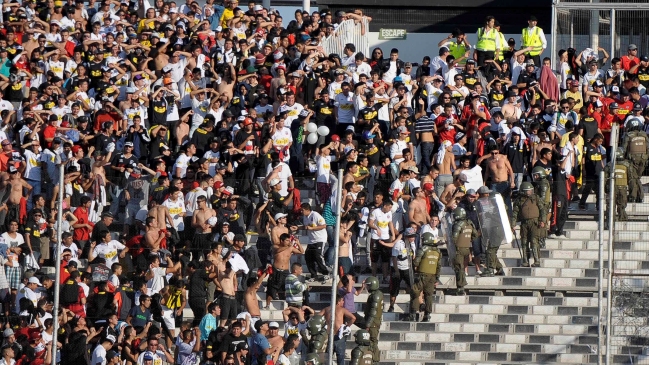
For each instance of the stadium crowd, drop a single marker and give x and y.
(185, 130)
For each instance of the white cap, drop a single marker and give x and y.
(274, 182)
(34, 280)
(280, 216)
(273, 325)
(243, 315)
(258, 7)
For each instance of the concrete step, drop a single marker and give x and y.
(470, 357)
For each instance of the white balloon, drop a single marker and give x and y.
(312, 138)
(323, 131)
(312, 127)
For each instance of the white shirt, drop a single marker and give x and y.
(396, 149)
(438, 66)
(281, 139)
(108, 251)
(25, 292)
(98, 355)
(157, 282)
(364, 68)
(314, 219)
(345, 105)
(182, 162)
(533, 30)
(381, 220)
(283, 177)
(175, 209)
(400, 249)
(293, 112)
(324, 168)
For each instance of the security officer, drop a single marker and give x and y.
(624, 173)
(529, 207)
(318, 337)
(534, 37)
(361, 354)
(427, 267)
(374, 315)
(542, 190)
(636, 145)
(503, 43)
(312, 359)
(488, 206)
(560, 184)
(458, 47)
(488, 42)
(464, 233)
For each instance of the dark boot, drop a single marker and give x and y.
(426, 317)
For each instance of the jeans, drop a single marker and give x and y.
(427, 149)
(36, 185)
(296, 161)
(331, 249)
(504, 189)
(340, 345)
(518, 179)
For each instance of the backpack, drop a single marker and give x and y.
(69, 292)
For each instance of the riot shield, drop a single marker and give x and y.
(494, 221)
(446, 228)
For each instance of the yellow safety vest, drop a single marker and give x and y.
(503, 41)
(457, 50)
(533, 40)
(486, 41)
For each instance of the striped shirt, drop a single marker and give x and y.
(294, 289)
(424, 124)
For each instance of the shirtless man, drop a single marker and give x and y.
(17, 184)
(417, 212)
(444, 160)
(153, 236)
(407, 162)
(250, 296)
(454, 192)
(203, 233)
(227, 282)
(162, 216)
(501, 174)
(340, 325)
(544, 142)
(512, 109)
(282, 253)
(226, 86)
(279, 229)
(276, 341)
(99, 173)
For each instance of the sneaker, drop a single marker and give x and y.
(460, 292)
(426, 318)
(525, 264)
(500, 272)
(582, 207)
(412, 318)
(552, 236)
(311, 280)
(478, 272)
(486, 274)
(325, 279)
(536, 264)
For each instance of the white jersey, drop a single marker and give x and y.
(382, 221)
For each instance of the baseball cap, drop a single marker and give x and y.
(471, 61)
(273, 325)
(403, 130)
(166, 69)
(462, 177)
(335, 138)
(413, 169)
(615, 89)
(8, 332)
(637, 107)
(471, 192)
(368, 135)
(529, 62)
(428, 186)
(644, 58)
(72, 264)
(243, 345)
(633, 46)
(148, 356)
(129, 144)
(34, 280)
(280, 216)
(410, 232)
(111, 355)
(599, 104)
(624, 92)
(110, 338)
(274, 182)
(613, 106)
(598, 83)
(459, 136)
(258, 324)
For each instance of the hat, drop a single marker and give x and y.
(148, 356)
(532, 18)
(410, 232)
(368, 135)
(244, 344)
(8, 332)
(615, 89)
(111, 355)
(274, 182)
(624, 92)
(598, 83)
(471, 61)
(273, 325)
(128, 144)
(471, 192)
(428, 187)
(511, 40)
(279, 216)
(72, 264)
(633, 46)
(260, 59)
(484, 190)
(644, 58)
(413, 169)
(34, 280)
(218, 185)
(130, 90)
(613, 106)
(166, 69)
(335, 138)
(221, 166)
(76, 149)
(529, 62)
(258, 324)
(459, 136)
(110, 338)
(403, 130)
(462, 177)
(637, 107)
(599, 104)
(106, 69)
(258, 8)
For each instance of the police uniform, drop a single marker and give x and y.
(318, 337)
(542, 190)
(374, 315)
(464, 233)
(362, 354)
(636, 145)
(622, 176)
(529, 208)
(428, 266)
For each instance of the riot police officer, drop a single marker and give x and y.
(361, 354)
(318, 337)
(464, 233)
(636, 145)
(427, 267)
(528, 207)
(312, 359)
(374, 315)
(542, 190)
(623, 174)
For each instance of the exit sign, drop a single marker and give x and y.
(392, 34)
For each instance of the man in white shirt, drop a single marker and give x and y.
(396, 149)
(571, 152)
(29, 292)
(382, 231)
(316, 229)
(107, 249)
(344, 108)
(282, 137)
(99, 354)
(438, 65)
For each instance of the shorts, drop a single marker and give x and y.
(276, 283)
(379, 251)
(45, 248)
(202, 241)
(228, 305)
(396, 283)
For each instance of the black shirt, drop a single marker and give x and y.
(516, 154)
(589, 125)
(470, 79)
(197, 280)
(324, 112)
(594, 157)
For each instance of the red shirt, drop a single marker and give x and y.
(81, 234)
(472, 119)
(77, 308)
(446, 131)
(628, 63)
(625, 108)
(49, 132)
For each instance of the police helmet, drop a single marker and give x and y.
(372, 283)
(362, 337)
(427, 239)
(459, 213)
(619, 153)
(538, 173)
(316, 324)
(526, 186)
(312, 359)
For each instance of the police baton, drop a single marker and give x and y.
(520, 252)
